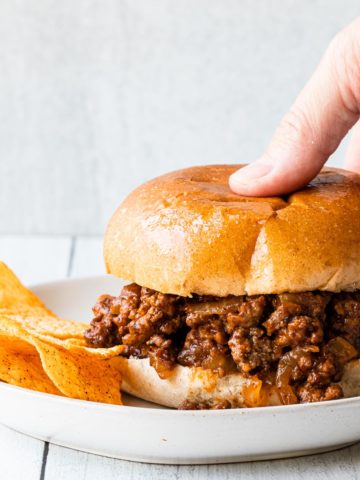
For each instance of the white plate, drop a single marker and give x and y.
(144, 432)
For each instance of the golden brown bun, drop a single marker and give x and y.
(196, 385)
(186, 232)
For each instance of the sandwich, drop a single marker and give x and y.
(234, 301)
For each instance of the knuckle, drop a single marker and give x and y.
(298, 128)
(346, 40)
(294, 125)
(343, 57)
(338, 44)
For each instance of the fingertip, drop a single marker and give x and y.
(244, 179)
(280, 179)
(282, 170)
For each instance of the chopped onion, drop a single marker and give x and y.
(286, 365)
(214, 308)
(342, 349)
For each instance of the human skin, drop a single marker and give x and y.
(324, 112)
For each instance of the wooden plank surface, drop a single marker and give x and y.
(39, 259)
(88, 257)
(19, 455)
(36, 259)
(64, 464)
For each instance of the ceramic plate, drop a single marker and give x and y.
(145, 432)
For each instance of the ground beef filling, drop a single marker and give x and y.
(298, 342)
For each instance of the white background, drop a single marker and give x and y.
(98, 95)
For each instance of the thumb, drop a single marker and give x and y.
(311, 131)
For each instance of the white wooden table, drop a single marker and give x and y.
(38, 259)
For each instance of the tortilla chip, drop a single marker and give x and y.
(13, 295)
(17, 300)
(41, 351)
(37, 321)
(20, 365)
(87, 376)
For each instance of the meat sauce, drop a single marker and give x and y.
(298, 342)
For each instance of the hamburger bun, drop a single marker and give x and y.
(187, 232)
(196, 386)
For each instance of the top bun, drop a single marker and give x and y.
(187, 232)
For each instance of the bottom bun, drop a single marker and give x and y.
(196, 387)
(350, 381)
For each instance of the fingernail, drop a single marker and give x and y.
(251, 172)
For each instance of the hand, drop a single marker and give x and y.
(311, 131)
